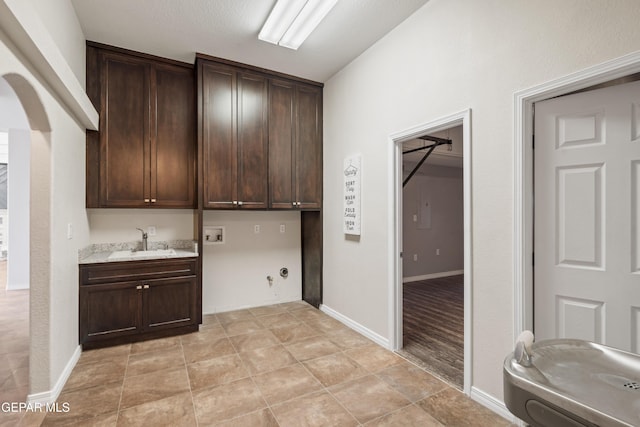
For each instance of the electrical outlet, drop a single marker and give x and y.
(283, 228)
(151, 230)
(69, 231)
(437, 251)
(415, 218)
(256, 229)
(415, 257)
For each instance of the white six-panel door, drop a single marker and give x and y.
(587, 217)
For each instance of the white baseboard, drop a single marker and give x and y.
(378, 339)
(432, 276)
(494, 404)
(52, 395)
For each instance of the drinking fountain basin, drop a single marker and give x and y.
(573, 383)
(131, 255)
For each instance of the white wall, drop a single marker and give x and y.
(441, 188)
(18, 206)
(235, 273)
(60, 20)
(119, 225)
(61, 153)
(449, 56)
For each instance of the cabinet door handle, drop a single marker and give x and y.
(293, 203)
(235, 202)
(146, 286)
(138, 287)
(239, 203)
(146, 200)
(298, 203)
(153, 200)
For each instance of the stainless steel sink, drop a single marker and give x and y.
(574, 383)
(130, 255)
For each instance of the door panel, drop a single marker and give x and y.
(580, 318)
(281, 144)
(579, 216)
(219, 136)
(252, 142)
(309, 147)
(635, 215)
(169, 303)
(587, 277)
(109, 311)
(174, 140)
(124, 140)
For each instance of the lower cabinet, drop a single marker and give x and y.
(136, 300)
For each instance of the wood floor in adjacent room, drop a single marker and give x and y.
(433, 317)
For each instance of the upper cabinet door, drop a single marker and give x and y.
(219, 136)
(173, 141)
(252, 154)
(282, 144)
(308, 151)
(260, 139)
(124, 136)
(145, 151)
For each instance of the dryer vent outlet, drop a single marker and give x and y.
(284, 272)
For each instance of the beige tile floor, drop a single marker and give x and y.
(280, 365)
(14, 341)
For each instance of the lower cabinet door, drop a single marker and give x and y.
(169, 303)
(111, 310)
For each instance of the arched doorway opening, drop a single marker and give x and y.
(37, 135)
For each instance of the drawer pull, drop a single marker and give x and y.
(146, 200)
(153, 200)
(138, 287)
(146, 286)
(239, 203)
(235, 202)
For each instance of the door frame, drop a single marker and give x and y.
(462, 118)
(523, 171)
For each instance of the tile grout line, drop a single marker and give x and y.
(251, 376)
(193, 402)
(124, 377)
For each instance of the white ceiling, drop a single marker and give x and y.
(177, 29)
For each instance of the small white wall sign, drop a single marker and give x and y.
(352, 177)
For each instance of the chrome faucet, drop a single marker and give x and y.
(144, 239)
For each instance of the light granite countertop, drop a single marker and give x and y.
(98, 253)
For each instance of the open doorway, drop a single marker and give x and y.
(14, 247)
(434, 279)
(433, 253)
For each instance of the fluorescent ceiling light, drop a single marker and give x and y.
(291, 21)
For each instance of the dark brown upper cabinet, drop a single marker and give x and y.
(295, 145)
(145, 152)
(234, 132)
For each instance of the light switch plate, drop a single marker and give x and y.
(151, 230)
